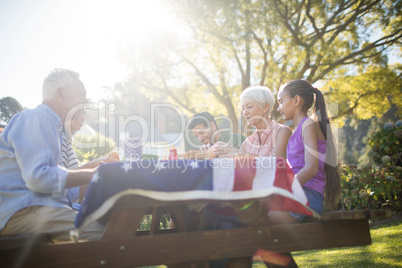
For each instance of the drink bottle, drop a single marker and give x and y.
(173, 154)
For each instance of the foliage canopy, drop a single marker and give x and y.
(9, 107)
(225, 46)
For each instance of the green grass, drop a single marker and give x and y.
(385, 251)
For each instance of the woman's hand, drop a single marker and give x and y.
(222, 149)
(219, 149)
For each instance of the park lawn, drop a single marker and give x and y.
(385, 251)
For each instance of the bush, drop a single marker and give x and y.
(386, 145)
(87, 154)
(371, 187)
(374, 186)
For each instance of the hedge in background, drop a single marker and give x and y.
(374, 186)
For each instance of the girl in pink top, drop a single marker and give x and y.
(311, 150)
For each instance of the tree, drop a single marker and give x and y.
(372, 93)
(9, 107)
(229, 45)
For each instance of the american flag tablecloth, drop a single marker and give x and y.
(218, 179)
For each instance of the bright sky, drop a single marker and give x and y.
(85, 36)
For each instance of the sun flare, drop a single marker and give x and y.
(112, 26)
(86, 36)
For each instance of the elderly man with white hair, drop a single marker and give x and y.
(32, 182)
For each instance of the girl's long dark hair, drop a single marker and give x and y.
(306, 91)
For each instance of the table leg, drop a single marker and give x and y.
(177, 215)
(251, 212)
(124, 222)
(156, 219)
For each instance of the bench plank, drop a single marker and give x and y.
(320, 235)
(334, 229)
(355, 214)
(200, 246)
(21, 241)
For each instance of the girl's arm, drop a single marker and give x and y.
(282, 142)
(310, 136)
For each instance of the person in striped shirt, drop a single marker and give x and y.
(32, 182)
(69, 159)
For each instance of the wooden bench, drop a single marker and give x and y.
(124, 246)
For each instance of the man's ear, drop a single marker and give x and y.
(60, 93)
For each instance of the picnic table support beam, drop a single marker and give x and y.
(156, 219)
(124, 222)
(176, 213)
(251, 212)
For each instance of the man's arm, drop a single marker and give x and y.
(79, 177)
(36, 144)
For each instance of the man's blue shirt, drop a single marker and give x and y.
(30, 171)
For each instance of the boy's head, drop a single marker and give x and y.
(203, 125)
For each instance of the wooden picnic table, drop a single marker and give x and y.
(124, 245)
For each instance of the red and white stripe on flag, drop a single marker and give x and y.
(261, 173)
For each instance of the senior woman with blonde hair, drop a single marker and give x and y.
(269, 138)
